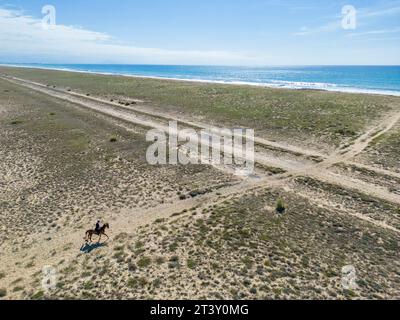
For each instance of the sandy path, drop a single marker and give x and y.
(332, 207)
(374, 169)
(354, 184)
(321, 172)
(362, 143)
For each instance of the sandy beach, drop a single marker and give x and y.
(73, 147)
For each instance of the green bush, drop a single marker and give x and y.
(144, 262)
(280, 206)
(191, 264)
(3, 292)
(38, 295)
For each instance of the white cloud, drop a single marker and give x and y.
(375, 32)
(329, 27)
(367, 13)
(22, 37)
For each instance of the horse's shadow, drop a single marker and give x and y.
(89, 247)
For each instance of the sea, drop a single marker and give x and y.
(357, 79)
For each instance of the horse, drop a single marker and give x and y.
(89, 234)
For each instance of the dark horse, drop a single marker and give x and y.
(101, 232)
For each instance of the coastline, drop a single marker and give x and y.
(73, 138)
(301, 85)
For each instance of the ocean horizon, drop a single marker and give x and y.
(353, 79)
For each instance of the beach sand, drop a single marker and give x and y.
(73, 149)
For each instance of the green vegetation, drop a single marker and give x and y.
(160, 260)
(16, 289)
(132, 282)
(191, 264)
(275, 113)
(3, 292)
(144, 262)
(88, 285)
(137, 282)
(139, 245)
(385, 150)
(38, 295)
(280, 206)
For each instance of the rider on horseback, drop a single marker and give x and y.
(97, 229)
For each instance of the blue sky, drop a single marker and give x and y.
(224, 32)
